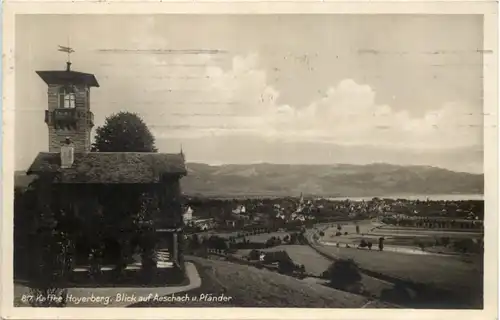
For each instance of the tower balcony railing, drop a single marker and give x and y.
(68, 116)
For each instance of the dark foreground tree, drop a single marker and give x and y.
(124, 132)
(49, 250)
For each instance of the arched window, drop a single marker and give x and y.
(67, 97)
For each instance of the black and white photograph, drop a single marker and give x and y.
(251, 161)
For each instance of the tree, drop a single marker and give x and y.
(254, 255)
(363, 243)
(50, 245)
(195, 242)
(445, 241)
(124, 132)
(397, 294)
(421, 245)
(381, 243)
(343, 273)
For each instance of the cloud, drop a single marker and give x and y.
(199, 95)
(243, 103)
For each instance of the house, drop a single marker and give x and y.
(231, 223)
(203, 224)
(188, 216)
(78, 179)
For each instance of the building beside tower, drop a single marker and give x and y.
(80, 179)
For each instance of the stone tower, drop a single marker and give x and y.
(68, 114)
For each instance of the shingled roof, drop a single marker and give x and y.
(111, 167)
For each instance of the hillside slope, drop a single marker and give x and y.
(326, 180)
(277, 180)
(252, 287)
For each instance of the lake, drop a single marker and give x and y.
(434, 197)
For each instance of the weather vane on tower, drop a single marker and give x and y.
(69, 51)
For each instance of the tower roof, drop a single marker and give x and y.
(68, 76)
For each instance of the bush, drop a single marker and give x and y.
(321, 233)
(277, 256)
(398, 294)
(338, 233)
(286, 266)
(464, 245)
(445, 241)
(194, 242)
(363, 244)
(254, 255)
(343, 273)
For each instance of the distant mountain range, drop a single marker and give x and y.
(339, 180)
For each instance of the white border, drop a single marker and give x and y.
(488, 9)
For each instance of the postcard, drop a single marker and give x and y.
(257, 160)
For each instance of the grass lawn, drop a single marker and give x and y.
(460, 275)
(441, 270)
(395, 237)
(313, 262)
(252, 287)
(316, 264)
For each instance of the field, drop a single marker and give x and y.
(315, 264)
(251, 287)
(437, 280)
(457, 274)
(300, 254)
(258, 238)
(400, 239)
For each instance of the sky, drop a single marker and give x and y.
(308, 89)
